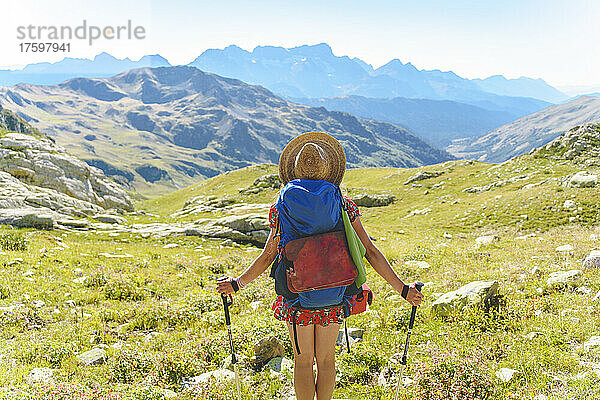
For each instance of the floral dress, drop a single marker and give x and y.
(325, 316)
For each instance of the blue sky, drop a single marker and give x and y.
(558, 41)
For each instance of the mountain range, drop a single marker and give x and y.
(529, 132)
(437, 121)
(156, 129)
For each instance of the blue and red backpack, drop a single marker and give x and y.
(308, 208)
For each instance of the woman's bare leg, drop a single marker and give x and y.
(304, 378)
(325, 337)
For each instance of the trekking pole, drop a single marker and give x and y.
(411, 323)
(227, 301)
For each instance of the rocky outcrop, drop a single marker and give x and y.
(580, 144)
(39, 162)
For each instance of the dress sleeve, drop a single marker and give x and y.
(273, 217)
(351, 208)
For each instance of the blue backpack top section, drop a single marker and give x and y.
(307, 208)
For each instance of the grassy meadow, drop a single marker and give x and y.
(150, 301)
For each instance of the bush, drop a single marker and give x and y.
(174, 365)
(13, 241)
(123, 290)
(360, 366)
(129, 366)
(450, 377)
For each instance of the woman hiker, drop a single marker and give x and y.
(314, 156)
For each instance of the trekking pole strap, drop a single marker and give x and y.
(294, 313)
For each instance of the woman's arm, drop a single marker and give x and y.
(258, 266)
(382, 266)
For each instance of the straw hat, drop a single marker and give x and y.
(313, 155)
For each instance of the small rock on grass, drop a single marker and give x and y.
(218, 375)
(592, 260)
(40, 375)
(561, 279)
(565, 248)
(95, 356)
(486, 240)
(506, 374)
(471, 294)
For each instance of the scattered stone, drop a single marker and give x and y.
(109, 255)
(561, 279)
(110, 219)
(486, 240)
(597, 296)
(266, 349)
(218, 375)
(569, 204)
(422, 175)
(533, 335)
(170, 246)
(472, 294)
(167, 393)
(592, 344)
(373, 200)
(95, 356)
(447, 235)
(565, 248)
(592, 260)
(419, 264)
(506, 374)
(540, 397)
(38, 303)
(40, 375)
(536, 271)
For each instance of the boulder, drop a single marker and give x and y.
(422, 175)
(373, 200)
(266, 349)
(581, 179)
(39, 218)
(110, 219)
(592, 260)
(472, 294)
(561, 279)
(354, 335)
(216, 375)
(95, 356)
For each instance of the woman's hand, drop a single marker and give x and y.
(225, 286)
(414, 297)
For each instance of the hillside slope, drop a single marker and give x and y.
(157, 129)
(529, 132)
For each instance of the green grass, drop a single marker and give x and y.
(159, 316)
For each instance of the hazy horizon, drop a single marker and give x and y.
(540, 39)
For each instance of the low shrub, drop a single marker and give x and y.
(123, 290)
(450, 377)
(13, 241)
(129, 366)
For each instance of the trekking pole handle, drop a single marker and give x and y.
(227, 301)
(413, 313)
